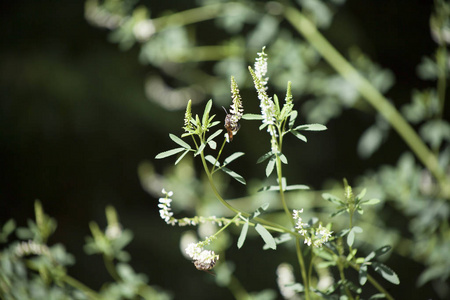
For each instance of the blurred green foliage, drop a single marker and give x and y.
(190, 50)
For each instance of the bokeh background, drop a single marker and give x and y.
(77, 121)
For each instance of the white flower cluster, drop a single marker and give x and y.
(165, 211)
(31, 248)
(317, 238)
(203, 259)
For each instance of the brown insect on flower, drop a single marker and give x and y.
(205, 266)
(231, 125)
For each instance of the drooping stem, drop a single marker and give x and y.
(370, 93)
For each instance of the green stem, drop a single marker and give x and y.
(218, 156)
(372, 95)
(80, 286)
(280, 184)
(302, 267)
(111, 268)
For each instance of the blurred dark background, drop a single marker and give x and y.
(75, 124)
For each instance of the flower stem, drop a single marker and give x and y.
(302, 267)
(370, 93)
(218, 156)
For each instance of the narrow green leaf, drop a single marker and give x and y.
(232, 157)
(351, 235)
(214, 124)
(259, 211)
(266, 236)
(179, 141)
(264, 157)
(332, 199)
(269, 188)
(169, 153)
(362, 194)
(377, 296)
(212, 145)
(234, 175)
(370, 202)
(212, 160)
(297, 187)
(292, 116)
(200, 149)
(337, 213)
(243, 235)
(386, 272)
(285, 237)
(206, 112)
(181, 156)
(252, 117)
(277, 103)
(270, 166)
(311, 127)
(212, 136)
(283, 158)
(299, 135)
(380, 251)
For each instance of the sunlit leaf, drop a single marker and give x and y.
(234, 175)
(259, 210)
(212, 136)
(311, 127)
(206, 112)
(283, 158)
(252, 117)
(386, 272)
(370, 202)
(292, 116)
(266, 236)
(264, 157)
(181, 156)
(285, 237)
(232, 157)
(351, 235)
(297, 187)
(179, 141)
(243, 235)
(212, 145)
(270, 166)
(332, 198)
(299, 135)
(200, 149)
(169, 153)
(378, 252)
(212, 160)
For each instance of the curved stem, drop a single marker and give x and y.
(218, 156)
(302, 267)
(372, 95)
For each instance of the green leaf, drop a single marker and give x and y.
(243, 235)
(378, 252)
(362, 194)
(181, 156)
(264, 157)
(234, 175)
(285, 237)
(370, 202)
(252, 117)
(277, 103)
(232, 157)
(259, 210)
(351, 235)
(212, 136)
(266, 236)
(299, 135)
(206, 112)
(332, 198)
(297, 187)
(270, 166)
(311, 127)
(212, 160)
(283, 158)
(292, 116)
(378, 296)
(169, 153)
(339, 212)
(212, 145)
(200, 149)
(269, 188)
(214, 124)
(386, 272)
(179, 141)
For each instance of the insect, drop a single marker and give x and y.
(205, 267)
(231, 127)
